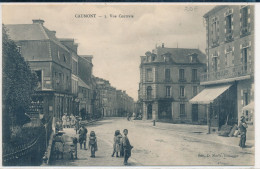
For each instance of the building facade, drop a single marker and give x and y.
(113, 103)
(51, 61)
(230, 63)
(85, 93)
(73, 48)
(169, 77)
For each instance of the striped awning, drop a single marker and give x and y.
(209, 94)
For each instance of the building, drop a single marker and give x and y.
(73, 48)
(169, 78)
(113, 102)
(51, 61)
(229, 80)
(85, 93)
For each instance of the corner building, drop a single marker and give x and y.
(230, 64)
(169, 77)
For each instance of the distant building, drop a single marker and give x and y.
(169, 77)
(113, 102)
(230, 64)
(51, 61)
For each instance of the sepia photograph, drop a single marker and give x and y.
(115, 84)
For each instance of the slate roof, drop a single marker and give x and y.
(181, 55)
(27, 32)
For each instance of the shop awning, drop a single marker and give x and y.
(250, 106)
(209, 94)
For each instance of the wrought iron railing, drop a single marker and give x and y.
(229, 72)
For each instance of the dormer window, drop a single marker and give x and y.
(18, 49)
(193, 58)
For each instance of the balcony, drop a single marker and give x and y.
(229, 36)
(215, 42)
(182, 80)
(229, 73)
(245, 30)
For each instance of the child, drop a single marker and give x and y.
(117, 143)
(92, 143)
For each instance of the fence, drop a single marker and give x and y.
(28, 154)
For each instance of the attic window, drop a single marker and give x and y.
(193, 58)
(18, 49)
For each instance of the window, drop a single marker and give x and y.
(168, 91)
(244, 58)
(214, 30)
(229, 59)
(181, 74)
(167, 74)
(39, 78)
(182, 110)
(195, 90)
(215, 64)
(19, 49)
(228, 24)
(182, 94)
(244, 17)
(149, 92)
(149, 75)
(194, 75)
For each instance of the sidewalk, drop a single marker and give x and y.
(199, 132)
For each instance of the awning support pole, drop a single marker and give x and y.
(208, 117)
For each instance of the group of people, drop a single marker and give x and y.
(92, 144)
(68, 121)
(122, 146)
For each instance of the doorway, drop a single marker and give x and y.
(195, 113)
(149, 111)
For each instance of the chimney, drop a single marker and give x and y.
(162, 45)
(38, 21)
(54, 32)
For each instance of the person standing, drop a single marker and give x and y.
(127, 147)
(92, 144)
(242, 129)
(83, 136)
(64, 120)
(77, 125)
(72, 120)
(117, 143)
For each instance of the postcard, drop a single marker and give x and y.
(121, 84)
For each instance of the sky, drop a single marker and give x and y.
(117, 43)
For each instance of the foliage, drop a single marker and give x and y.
(18, 85)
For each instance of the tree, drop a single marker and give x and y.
(19, 83)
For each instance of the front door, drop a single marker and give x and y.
(194, 112)
(149, 111)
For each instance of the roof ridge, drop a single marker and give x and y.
(43, 31)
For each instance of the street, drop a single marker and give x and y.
(161, 145)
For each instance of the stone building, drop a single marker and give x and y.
(85, 92)
(73, 48)
(51, 61)
(230, 64)
(113, 102)
(169, 77)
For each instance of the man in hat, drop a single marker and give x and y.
(83, 136)
(242, 129)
